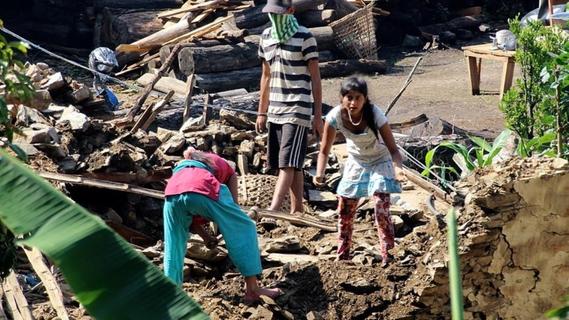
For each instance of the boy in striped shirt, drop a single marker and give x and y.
(290, 93)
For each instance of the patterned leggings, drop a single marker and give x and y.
(347, 211)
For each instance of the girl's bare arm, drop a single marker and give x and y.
(325, 146)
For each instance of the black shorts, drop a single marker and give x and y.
(286, 145)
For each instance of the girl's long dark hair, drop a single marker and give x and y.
(359, 85)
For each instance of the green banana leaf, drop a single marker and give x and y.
(107, 276)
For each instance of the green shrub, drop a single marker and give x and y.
(527, 106)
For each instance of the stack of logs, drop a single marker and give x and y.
(220, 40)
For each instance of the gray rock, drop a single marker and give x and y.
(77, 120)
(165, 134)
(397, 222)
(67, 165)
(29, 149)
(54, 82)
(174, 144)
(262, 313)
(26, 116)
(31, 136)
(247, 147)
(288, 244)
(322, 197)
(193, 124)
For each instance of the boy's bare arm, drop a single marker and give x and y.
(261, 123)
(314, 70)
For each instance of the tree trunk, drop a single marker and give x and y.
(122, 26)
(162, 36)
(218, 59)
(251, 18)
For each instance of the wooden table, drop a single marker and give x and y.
(475, 54)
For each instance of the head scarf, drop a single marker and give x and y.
(284, 26)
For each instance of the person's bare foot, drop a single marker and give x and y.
(385, 260)
(253, 296)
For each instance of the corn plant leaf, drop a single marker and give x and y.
(462, 151)
(429, 161)
(107, 276)
(490, 156)
(481, 143)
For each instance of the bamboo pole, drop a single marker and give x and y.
(50, 283)
(456, 303)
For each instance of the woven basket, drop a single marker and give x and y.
(354, 34)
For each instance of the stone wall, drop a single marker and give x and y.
(514, 243)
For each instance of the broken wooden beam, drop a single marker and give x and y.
(303, 220)
(420, 181)
(190, 84)
(3, 315)
(148, 88)
(103, 184)
(150, 113)
(256, 214)
(15, 297)
(50, 283)
(156, 39)
(164, 85)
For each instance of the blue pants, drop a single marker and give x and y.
(238, 230)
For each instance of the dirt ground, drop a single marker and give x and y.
(440, 88)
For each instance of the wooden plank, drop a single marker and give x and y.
(50, 283)
(202, 6)
(156, 110)
(242, 164)
(148, 88)
(80, 180)
(156, 39)
(138, 65)
(207, 111)
(11, 302)
(201, 17)
(188, 97)
(11, 285)
(485, 56)
(3, 315)
(165, 84)
(487, 49)
(200, 31)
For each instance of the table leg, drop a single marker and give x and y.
(474, 67)
(507, 76)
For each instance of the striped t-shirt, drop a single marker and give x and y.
(290, 98)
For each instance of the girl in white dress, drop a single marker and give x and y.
(373, 168)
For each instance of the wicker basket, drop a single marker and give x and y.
(354, 34)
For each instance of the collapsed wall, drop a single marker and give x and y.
(514, 243)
